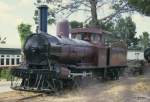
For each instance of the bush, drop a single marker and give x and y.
(5, 74)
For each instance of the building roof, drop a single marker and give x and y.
(14, 51)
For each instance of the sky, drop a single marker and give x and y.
(14, 12)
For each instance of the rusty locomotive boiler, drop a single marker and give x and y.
(54, 62)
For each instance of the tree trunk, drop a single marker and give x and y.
(93, 4)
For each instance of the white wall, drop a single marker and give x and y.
(134, 55)
(9, 56)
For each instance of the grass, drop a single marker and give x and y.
(5, 74)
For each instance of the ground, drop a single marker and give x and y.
(5, 86)
(127, 89)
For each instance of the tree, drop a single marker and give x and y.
(145, 40)
(125, 29)
(108, 26)
(142, 6)
(24, 31)
(2, 41)
(76, 24)
(88, 6)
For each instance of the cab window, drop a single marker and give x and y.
(95, 38)
(78, 36)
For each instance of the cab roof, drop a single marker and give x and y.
(89, 30)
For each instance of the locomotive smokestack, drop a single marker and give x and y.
(43, 13)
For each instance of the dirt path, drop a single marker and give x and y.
(5, 86)
(129, 89)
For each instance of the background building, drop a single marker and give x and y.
(10, 57)
(135, 55)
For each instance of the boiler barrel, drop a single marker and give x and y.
(71, 53)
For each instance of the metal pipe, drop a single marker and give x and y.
(43, 13)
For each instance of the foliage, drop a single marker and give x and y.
(122, 29)
(51, 21)
(5, 74)
(142, 6)
(108, 26)
(145, 40)
(76, 24)
(24, 31)
(125, 29)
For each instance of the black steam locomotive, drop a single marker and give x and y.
(52, 63)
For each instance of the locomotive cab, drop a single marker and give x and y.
(92, 35)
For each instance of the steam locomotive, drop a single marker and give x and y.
(54, 62)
